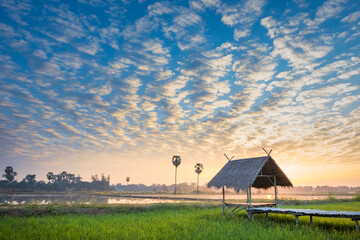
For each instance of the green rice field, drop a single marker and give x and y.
(168, 221)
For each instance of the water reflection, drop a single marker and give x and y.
(16, 199)
(138, 201)
(257, 196)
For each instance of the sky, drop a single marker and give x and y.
(119, 87)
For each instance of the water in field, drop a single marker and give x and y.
(16, 199)
(259, 196)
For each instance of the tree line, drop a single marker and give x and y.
(56, 182)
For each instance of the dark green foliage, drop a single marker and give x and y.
(30, 178)
(63, 181)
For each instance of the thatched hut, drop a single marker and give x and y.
(244, 174)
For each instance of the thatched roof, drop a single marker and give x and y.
(242, 173)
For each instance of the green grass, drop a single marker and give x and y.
(174, 221)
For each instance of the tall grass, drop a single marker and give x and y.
(176, 222)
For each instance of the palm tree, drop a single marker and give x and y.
(127, 180)
(198, 169)
(9, 174)
(176, 160)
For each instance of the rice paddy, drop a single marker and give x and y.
(168, 221)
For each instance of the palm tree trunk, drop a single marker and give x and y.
(175, 178)
(198, 184)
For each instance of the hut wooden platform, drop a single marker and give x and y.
(244, 174)
(355, 216)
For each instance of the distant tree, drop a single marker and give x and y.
(103, 178)
(198, 169)
(50, 176)
(9, 174)
(63, 177)
(176, 160)
(77, 179)
(70, 178)
(128, 180)
(102, 183)
(30, 178)
(94, 178)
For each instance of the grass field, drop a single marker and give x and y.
(177, 221)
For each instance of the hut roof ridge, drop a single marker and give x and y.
(241, 159)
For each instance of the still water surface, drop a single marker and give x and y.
(16, 199)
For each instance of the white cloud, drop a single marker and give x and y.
(164, 74)
(245, 12)
(327, 91)
(330, 9)
(144, 68)
(349, 74)
(160, 8)
(148, 106)
(242, 15)
(187, 18)
(91, 48)
(256, 66)
(239, 33)
(172, 88)
(47, 68)
(345, 101)
(7, 31)
(351, 18)
(247, 97)
(102, 90)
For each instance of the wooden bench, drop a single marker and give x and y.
(355, 216)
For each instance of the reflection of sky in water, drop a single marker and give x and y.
(17, 199)
(139, 201)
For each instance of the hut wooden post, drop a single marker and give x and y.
(223, 191)
(275, 191)
(250, 196)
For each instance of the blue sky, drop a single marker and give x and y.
(118, 87)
